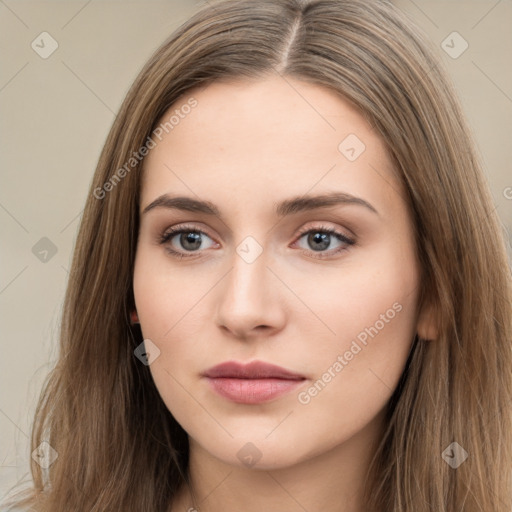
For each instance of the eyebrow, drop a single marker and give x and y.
(288, 207)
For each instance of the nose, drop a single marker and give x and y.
(250, 299)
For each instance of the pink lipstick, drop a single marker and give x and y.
(251, 383)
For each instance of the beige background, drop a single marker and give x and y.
(55, 115)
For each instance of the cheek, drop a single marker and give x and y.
(356, 379)
(370, 295)
(164, 294)
(370, 309)
(165, 307)
(374, 317)
(170, 304)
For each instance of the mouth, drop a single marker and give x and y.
(252, 383)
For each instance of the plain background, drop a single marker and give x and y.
(55, 116)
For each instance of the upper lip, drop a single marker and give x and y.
(252, 370)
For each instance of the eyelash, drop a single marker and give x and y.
(170, 233)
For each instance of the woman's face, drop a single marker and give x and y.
(292, 246)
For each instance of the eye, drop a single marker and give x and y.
(186, 239)
(324, 241)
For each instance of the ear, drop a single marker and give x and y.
(134, 319)
(426, 326)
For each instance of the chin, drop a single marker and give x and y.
(260, 454)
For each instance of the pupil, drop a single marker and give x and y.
(190, 241)
(320, 239)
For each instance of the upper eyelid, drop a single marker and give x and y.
(186, 227)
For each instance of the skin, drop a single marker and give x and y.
(246, 146)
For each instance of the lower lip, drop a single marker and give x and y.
(252, 391)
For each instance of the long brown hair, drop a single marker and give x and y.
(118, 446)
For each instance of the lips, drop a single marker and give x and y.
(251, 383)
(254, 370)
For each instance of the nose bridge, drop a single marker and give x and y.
(247, 279)
(249, 297)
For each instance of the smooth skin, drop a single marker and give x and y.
(245, 147)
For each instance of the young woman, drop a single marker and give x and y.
(290, 288)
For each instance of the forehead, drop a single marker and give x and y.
(266, 138)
